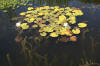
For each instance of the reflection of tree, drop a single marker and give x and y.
(51, 2)
(90, 1)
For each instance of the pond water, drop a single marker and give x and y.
(84, 51)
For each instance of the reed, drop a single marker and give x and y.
(24, 49)
(9, 60)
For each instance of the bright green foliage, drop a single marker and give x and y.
(12, 3)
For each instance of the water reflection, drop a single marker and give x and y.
(90, 1)
(51, 2)
(47, 53)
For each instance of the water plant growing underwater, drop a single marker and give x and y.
(53, 21)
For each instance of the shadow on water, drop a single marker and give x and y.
(84, 52)
(50, 2)
(91, 1)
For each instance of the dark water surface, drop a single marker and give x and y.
(87, 48)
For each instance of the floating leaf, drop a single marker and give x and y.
(24, 26)
(54, 34)
(22, 13)
(43, 34)
(82, 25)
(76, 31)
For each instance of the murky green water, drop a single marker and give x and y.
(84, 51)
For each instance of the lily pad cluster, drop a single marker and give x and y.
(53, 21)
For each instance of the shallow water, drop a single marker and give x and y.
(66, 54)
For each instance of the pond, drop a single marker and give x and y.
(50, 52)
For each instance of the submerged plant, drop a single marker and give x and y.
(53, 21)
(89, 63)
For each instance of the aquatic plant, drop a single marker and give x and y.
(9, 59)
(82, 25)
(76, 31)
(89, 63)
(24, 26)
(53, 21)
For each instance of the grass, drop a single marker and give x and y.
(4, 4)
